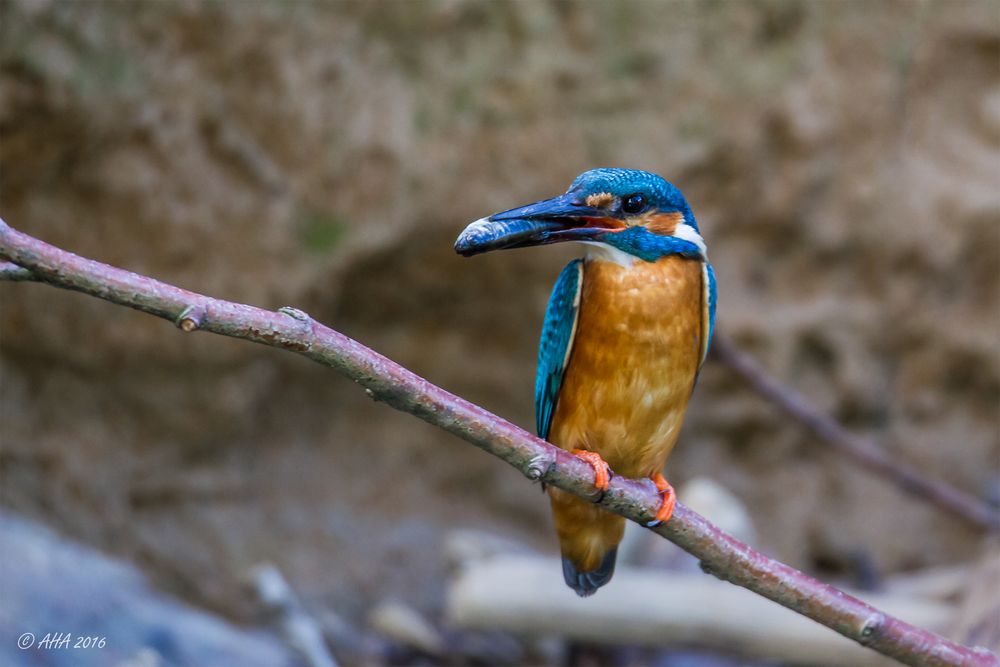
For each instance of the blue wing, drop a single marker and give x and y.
(709, 301)
(556, 343)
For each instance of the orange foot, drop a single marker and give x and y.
(669, 500)
(602, 471)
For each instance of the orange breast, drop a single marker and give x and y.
(633, 364)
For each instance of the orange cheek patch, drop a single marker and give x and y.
(661, 223)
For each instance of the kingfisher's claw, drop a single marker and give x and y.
(602, 471)
(669, 501)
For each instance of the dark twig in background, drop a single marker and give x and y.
(864, 451)
(290, 329)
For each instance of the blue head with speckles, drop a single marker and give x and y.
(634, 211)
(633, 192)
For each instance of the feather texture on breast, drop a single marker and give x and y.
(636, 351)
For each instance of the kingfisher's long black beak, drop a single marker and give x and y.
(563, 218)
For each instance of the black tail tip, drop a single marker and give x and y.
(586, 583)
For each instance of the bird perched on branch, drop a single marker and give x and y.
(626, 331)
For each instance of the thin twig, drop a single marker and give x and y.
(862, 450)
(300, 630)
(13, 272)
(290, 329)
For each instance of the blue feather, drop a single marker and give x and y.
(557, 336)
(639, 242)
(713, 298)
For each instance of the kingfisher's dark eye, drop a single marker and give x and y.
(634, 203)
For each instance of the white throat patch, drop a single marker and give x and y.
(687, 233)
(602, 252)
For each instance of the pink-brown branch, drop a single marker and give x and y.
(290, 329)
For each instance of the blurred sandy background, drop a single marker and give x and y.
(842, 159)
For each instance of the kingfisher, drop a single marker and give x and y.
(626, 331)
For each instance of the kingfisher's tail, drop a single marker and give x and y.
(588, 540)
(586, 583)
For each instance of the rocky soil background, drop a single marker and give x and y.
(842, 159)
